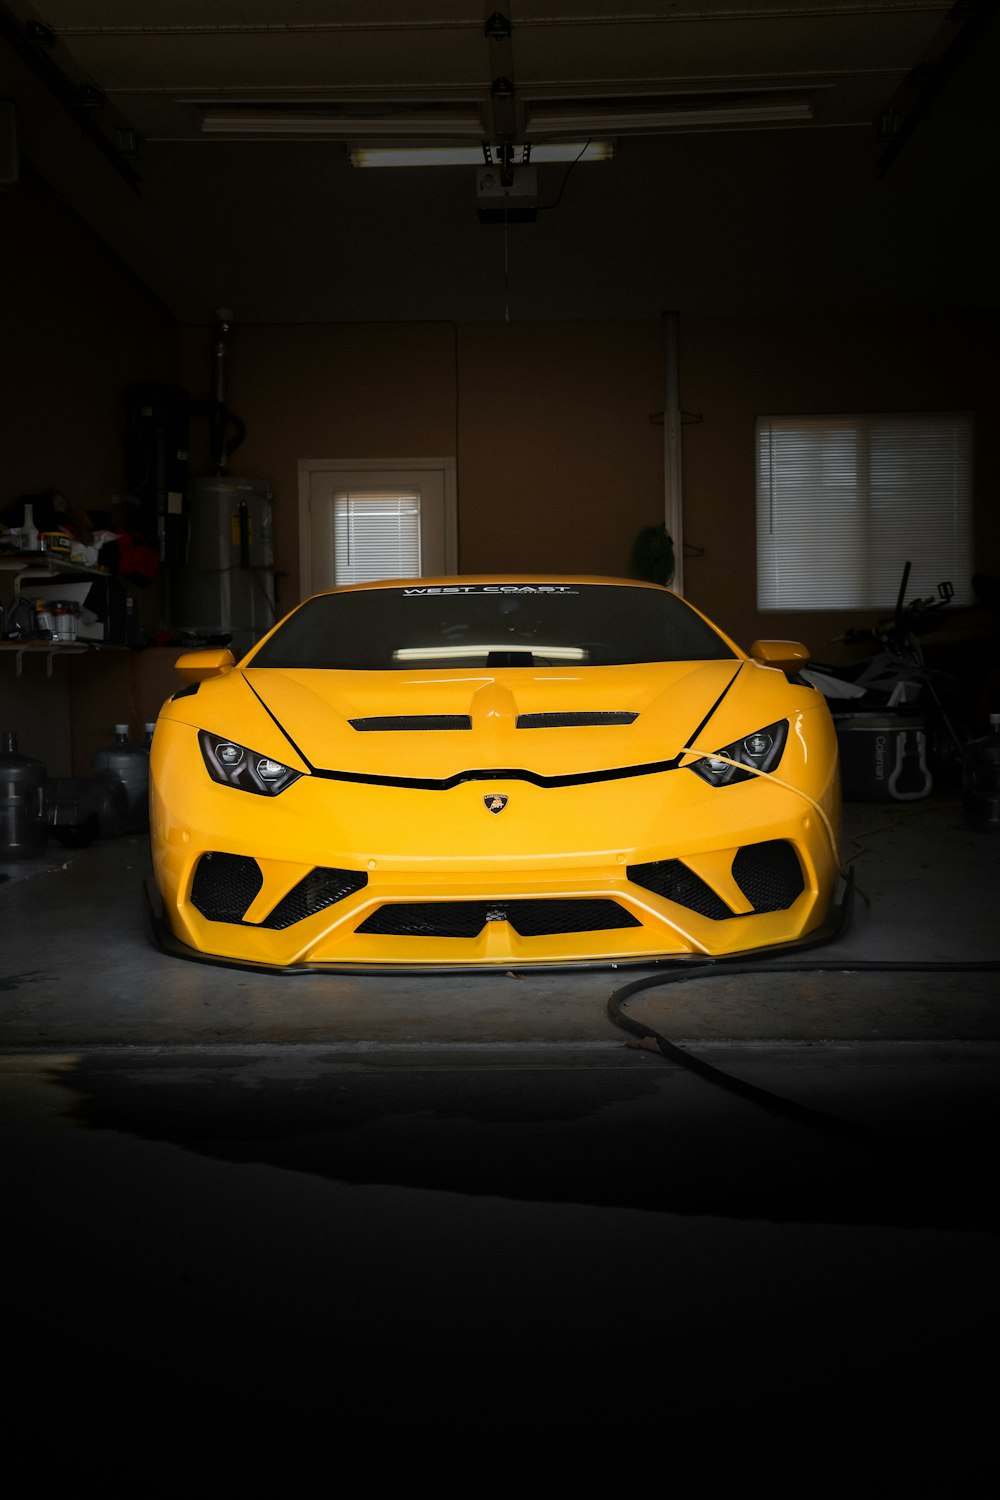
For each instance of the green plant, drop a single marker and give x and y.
(653, 555)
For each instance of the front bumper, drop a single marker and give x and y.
(837, 921)
(330, 874)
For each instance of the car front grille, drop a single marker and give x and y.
(768, 874)
(225, 884)
(318, 890)
(466, 919)
(671, 879)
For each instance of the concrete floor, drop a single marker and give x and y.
(479, 1201)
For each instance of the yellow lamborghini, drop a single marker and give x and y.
(475, 772)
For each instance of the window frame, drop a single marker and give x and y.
(435, 478)
(802, 563)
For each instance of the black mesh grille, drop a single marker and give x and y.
(224, 886)
(769, 875)
(672, 879)
(449, 919)
(573, 721)
(538, 918)
(412, 721)
(466, 919)
(318, 890)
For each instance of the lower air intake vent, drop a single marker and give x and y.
(224, 886)
(318, 890)
(671, 879)
(769, 875)
(466, 919)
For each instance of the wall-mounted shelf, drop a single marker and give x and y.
(46, 566)
(49, 649)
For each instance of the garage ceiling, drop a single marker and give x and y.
(216, 111)
(184, 70)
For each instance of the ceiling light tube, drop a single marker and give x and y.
(453, 156)
(415, 156)
(265, 122)
(544, 121)
(572, 151)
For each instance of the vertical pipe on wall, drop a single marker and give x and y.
(672, 497)
(220, 349)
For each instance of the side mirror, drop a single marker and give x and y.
(195, 666)
(780, 653)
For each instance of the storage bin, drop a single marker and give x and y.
(883, 758)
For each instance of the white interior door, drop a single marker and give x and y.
(426, 485)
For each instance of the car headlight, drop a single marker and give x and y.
(234, 765)
(761, 751)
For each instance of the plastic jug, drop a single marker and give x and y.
(23, 823)
(129, 764)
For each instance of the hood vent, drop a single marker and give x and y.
(410, 722)
(573, 721)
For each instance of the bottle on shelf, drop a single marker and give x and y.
(44, 622)
(29, 531)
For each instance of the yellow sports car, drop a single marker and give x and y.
(492, 772)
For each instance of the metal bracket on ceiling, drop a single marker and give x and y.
(502, 114)
(34, 44)
(900, 116)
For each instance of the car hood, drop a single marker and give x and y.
(551, 722)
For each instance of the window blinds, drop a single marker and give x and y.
(376, 534)
(844, 502)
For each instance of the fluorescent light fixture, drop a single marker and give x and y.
(456, 156)
(415, 156)
(572, 151)
(661, 117)
(458, 653)
(559, 130)
(263, 122)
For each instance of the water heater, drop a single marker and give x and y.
(226, 587)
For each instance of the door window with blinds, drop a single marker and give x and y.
(843, 503)
(361, 520)
(376, 534)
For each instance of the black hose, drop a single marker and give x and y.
(715, 968)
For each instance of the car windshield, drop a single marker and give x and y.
(490, 625)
